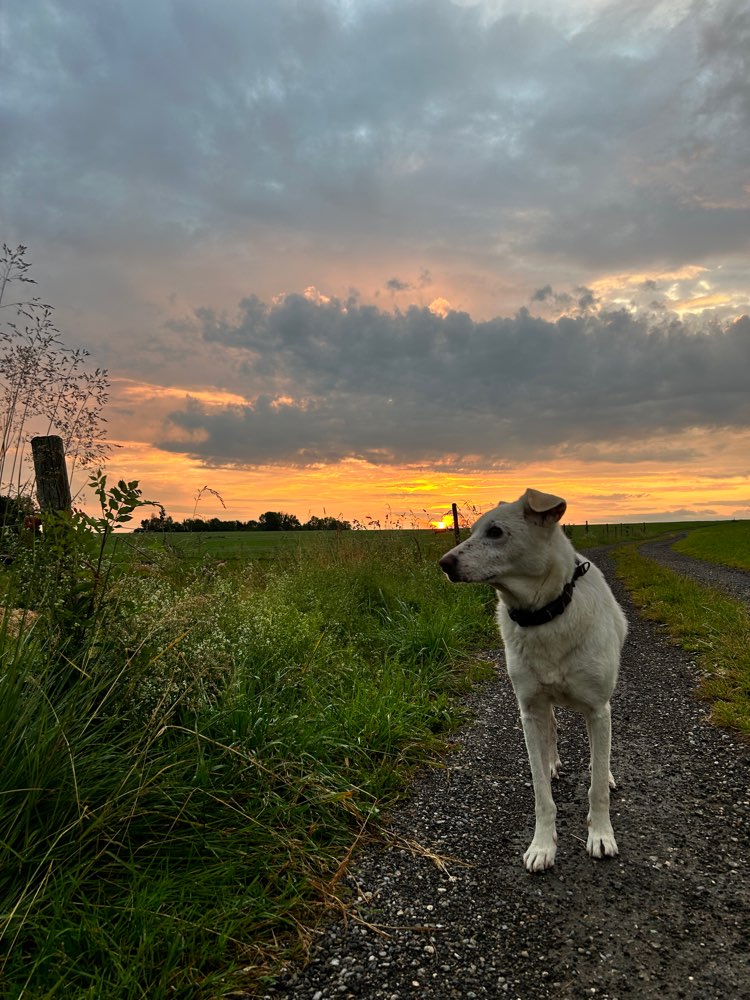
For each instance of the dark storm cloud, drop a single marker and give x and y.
(617, 137)
(340, 379)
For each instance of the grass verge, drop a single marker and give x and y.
(704, 621)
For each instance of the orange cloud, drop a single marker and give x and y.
(701, 302)
(129, 389)
(440, 307)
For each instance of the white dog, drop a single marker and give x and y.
(563, 632)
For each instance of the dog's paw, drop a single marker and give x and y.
(601, 842)
(540, 854)
(554, 768)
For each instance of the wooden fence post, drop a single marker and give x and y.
(52, 488)
(456, 529)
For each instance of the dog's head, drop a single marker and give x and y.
(510, 541)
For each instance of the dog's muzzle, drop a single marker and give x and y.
(449, 565)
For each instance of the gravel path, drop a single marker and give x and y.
(669, 918)
(735, 582)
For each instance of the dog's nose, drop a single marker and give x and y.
(448, 563)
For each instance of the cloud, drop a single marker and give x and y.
(396, 285)
(338, 379)
(600, 136)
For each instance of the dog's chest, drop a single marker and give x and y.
(538, 666)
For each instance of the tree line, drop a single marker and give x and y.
(271, 520)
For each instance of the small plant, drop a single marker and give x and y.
(86, 538)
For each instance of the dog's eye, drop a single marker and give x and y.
(495, 531)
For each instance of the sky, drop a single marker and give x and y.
(371, 257)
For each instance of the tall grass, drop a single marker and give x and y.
(182, 782)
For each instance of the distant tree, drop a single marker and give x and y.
(161, 522)
(274, 520)
(326, 524)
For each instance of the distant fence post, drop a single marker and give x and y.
(456, 529)
(52, 488)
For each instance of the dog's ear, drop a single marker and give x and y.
(543, 508)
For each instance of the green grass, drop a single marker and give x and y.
(182, 785)
(230, 546)
(704, 621)
(724, 542)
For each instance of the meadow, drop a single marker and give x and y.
(197, 733)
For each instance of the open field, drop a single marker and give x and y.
(229, 546)
(726, 542)
(239, 546)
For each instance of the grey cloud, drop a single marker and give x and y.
(341, 379)
(381, 123)
(396, 285)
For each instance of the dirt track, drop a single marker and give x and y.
(669, 918)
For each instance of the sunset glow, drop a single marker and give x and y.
(598, 492)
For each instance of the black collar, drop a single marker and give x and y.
(554, 608)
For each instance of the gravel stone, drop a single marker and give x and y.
(669, 918)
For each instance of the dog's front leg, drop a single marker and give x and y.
(601, 839)
(554, 757)
(536, 730)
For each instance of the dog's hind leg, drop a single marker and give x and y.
(536, 730)
(554, 757)
(601, 839)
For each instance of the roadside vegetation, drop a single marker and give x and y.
(704, 621)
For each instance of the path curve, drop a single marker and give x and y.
(735, 582)
(668, 919)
